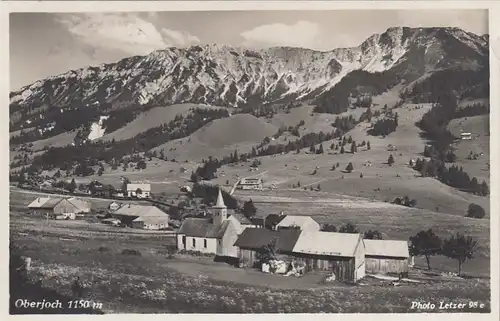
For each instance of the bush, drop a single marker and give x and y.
(104, 249)
(475, 211)
(131, 252)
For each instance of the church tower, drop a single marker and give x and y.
(219, 211)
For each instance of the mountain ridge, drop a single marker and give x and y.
(193, 74)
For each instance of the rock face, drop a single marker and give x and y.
(232, 77)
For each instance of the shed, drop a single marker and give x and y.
(387, 256)
(252, 240)
(343, 254)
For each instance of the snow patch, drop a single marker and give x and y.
(96, 129)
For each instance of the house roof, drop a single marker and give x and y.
(152, 219)
(38, 202)
(143, 187)
(327, 243)
(255, 238)
(51, 203)
(295, 220)
(273, 219)
(202, 227)
(241, 218)
(388, 248)
(251, 181)
(139, 210)
(80, 204)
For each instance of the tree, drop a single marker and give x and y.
(342, 150)
(329, 228)
(195, 178)
(390, 161)
(361, 175)
(72, 186)
(320, 149)
(353, 147)
(349, 168)
(368, 146)
(475, 211)
(460, 248)
(249, 209)
(267, 252)
(138, 192)
(425, 243)
(373, 235)
(349, 228)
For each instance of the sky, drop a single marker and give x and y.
(46, 44)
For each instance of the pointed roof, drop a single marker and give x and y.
(220, 201)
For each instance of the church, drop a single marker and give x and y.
(215, 235)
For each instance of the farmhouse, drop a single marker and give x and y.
(215, 235)
(142, 216)
(252, 240)
(387, 257)
(250, 183)
(59, 208)
(139, 190)
(304, 223)
(340, 253)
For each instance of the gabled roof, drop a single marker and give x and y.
(152, 219)
(295, 220)
(81, 205)
(273, 219)
(327, 243)
(202, 227)
(38, 202)
(139, 210)
(388, 248)
(241, 218)
(51, 203)
(256, 238)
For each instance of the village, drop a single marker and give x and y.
(289, 245)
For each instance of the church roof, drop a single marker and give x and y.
(220, 201)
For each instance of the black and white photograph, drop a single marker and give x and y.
(250, 161)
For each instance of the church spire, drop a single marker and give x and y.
(220, 201)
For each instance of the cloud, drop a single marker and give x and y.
(301, 34)
(128, 32)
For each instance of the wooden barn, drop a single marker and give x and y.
(254, 239)
(342, 254)
(387, 257)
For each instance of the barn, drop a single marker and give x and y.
(387, 257)
(343, 254)
(304, 223)
(252, 240)
(150, 216)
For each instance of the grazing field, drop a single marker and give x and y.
(159, 282)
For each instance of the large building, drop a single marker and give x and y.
(57, 208)
(387, 257)
(215, 235)
(139, 190)
(342, 254)
(250, 183)
(142, 216)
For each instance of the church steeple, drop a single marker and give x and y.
(220, 201)
(219, 211)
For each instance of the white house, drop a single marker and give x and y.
(466, 136)
(139, 190)
(250, 183)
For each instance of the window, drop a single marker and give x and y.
(194, 243)
(205, 243)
